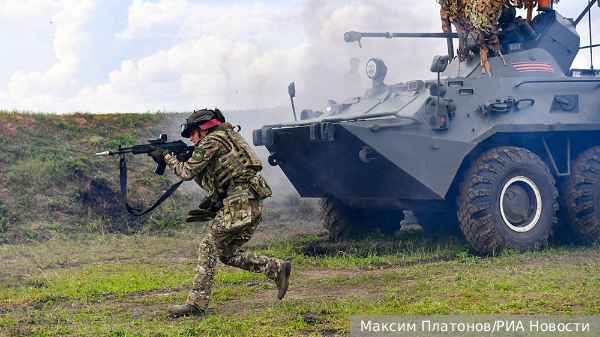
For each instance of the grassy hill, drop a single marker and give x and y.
(52, 182)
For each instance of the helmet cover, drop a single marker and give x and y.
(199, 118)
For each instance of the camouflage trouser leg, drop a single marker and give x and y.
(205, 271)
(233, 226)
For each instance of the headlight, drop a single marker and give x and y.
(376, 69)
(332, 108)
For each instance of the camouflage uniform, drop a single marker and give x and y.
(225, 155)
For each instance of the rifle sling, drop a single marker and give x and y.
(123, 180)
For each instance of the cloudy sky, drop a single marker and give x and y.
(178, 55)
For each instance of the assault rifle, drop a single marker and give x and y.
(175, 147)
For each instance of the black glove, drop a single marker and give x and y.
(158, 154)
(183, 157)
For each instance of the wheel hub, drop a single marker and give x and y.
(516, 204)
(520, 204)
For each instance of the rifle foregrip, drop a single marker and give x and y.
(160, 169)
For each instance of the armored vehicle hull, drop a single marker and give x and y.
(484, 150)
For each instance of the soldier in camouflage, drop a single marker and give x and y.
(225, 166)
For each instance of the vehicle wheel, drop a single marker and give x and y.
(581, 196)
(507, 201)
(341, 221)
(344, 222)
(386, 222)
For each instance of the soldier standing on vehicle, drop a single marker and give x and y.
(353, 86)
(225, 166)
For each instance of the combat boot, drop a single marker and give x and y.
(283, 279)
(184, 309)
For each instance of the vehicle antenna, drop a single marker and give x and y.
(590, 26)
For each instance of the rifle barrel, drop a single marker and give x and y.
(111, 153)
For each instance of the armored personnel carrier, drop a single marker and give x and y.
(497, 153)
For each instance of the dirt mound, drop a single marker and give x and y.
(101, 198)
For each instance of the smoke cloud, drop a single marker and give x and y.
(179, 55)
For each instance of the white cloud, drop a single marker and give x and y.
(36, 89)
(245, 55)
(177, 55)
(145, 17)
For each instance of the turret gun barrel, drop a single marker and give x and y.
(585, 11)
(356, 36)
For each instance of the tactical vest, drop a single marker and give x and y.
(235, 164)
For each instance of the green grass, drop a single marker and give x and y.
(91, 282)
(116, 285)
(72, 262)
(37, 171)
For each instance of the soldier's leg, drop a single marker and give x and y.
(229, 250)
(205, 272)
(197, 301)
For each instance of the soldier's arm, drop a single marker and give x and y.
(197, 163)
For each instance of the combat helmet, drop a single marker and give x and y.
(200, 118)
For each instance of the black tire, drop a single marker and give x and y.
(507, 201)
(340, 221)
(384, 221)
(344, 222)
(581, 196)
